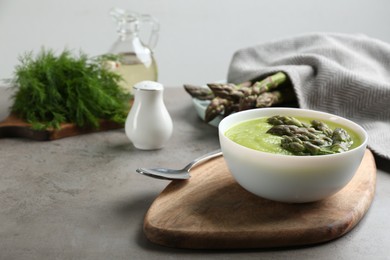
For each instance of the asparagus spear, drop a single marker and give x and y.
(199, 92)
(247, 102)
(322, 127)
(303, 139)
(228, 98)
(269, 83)
(245, 96)
(284, 120)
(341, 140)
(268, 99)
(216, 107)
(235, 92)
(226, 91)
(299, 147)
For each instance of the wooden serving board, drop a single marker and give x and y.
(211, 210)
(13, 126)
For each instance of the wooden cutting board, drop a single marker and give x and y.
(13, 126)
(210, 210)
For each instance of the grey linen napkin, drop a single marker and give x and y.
(346, 75)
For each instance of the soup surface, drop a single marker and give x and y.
(253, 134)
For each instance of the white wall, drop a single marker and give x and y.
(198, 37)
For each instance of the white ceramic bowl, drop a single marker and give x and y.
(289, 178)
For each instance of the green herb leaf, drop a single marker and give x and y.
(67, 89)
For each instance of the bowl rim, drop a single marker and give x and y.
(361, 131)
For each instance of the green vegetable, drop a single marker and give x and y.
(228, 98)
(243, 97)
(67, 89)
(304, 139)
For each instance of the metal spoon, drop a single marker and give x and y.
(183, 174)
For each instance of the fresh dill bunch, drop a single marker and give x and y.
(67, 89)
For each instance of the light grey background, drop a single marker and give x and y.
(198, 37)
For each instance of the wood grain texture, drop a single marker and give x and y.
(13, 126)
(210, 210)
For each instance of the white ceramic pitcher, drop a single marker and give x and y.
(148, 124)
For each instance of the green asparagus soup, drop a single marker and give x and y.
(253, 134)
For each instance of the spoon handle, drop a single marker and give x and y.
(203, 158)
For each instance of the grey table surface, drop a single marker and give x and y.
(80, 198)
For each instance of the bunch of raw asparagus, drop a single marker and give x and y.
(226, 98)
(303, 139)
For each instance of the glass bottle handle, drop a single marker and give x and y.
(154, 29)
